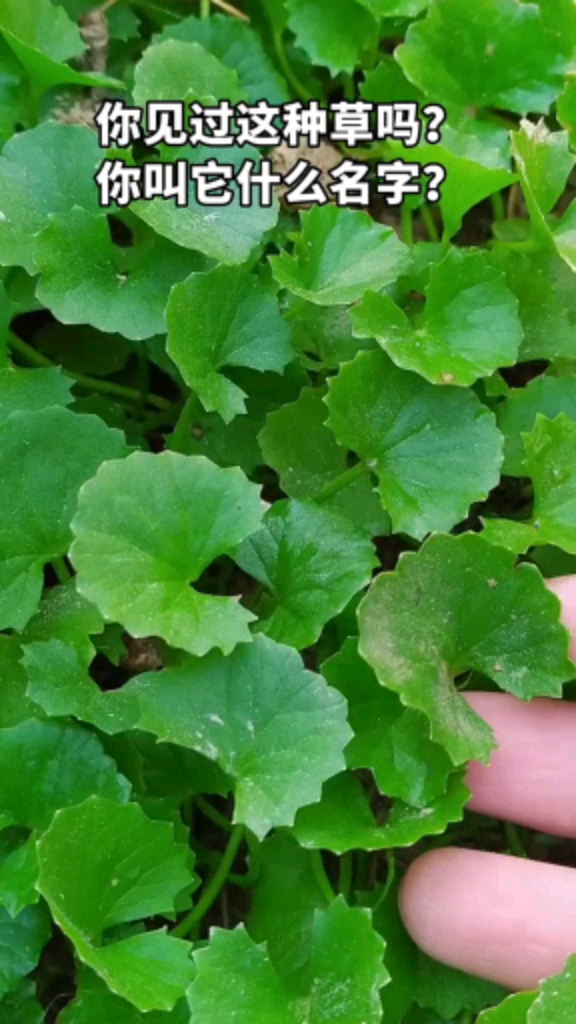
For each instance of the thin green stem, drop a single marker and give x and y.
(498, 207)
(180, 437)
(322, 880)
(213, 887)
(407, 227)
(105, 387)
(204, 8)
(390, 879)
(345, 879)
(61, 569)
(345, 478)
(514, 840)
(428, 222)
(213, 815)
(284, 63)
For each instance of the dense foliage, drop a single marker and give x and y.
(277, 485)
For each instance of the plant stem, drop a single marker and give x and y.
(514, 841)
(428, 222)
(204, 8)
(284, 63)
(322, 880)
(61, 569)
(407, 229)
(498, 208)
(180, 436)
(105, 387)
(345, 880)
(212, 814)
(213, 886)
(345, 478)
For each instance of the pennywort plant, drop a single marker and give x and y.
(278, 483)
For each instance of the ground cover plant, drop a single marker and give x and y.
(278, 484)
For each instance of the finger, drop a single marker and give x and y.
(502, 918)
(565, 589)
(531, 778)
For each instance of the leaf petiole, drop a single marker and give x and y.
(322, 880)
(213, 887)
(345, 478)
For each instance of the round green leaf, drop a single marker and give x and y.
(236, 322)
(334, 36)
(391, 740)
(338, 255)
(517, 414)
(49, 169)
(178, 70)
(551, 462)
(44, 459)
(31, 390)
(146, 528)
(94, 1003)
(461, 604)
(47, 765)
(312, 562)
(85, 278)
(238, 46)
(469, 326)
(403, 428)
(343, 819)
(340, 982)
(544, 286)
(494, 55)
(21, 942)
(272, 726)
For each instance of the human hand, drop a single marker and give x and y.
(504, 918)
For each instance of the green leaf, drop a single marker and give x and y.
(511, 534)
(21, 942)
(336, 37)
(312, 562)
(322, 332)
(236, 323)
(390, 740)
(544, 287)
(94, 1002)
(285, 896)
(64, 615)
(146, 528)
(18, 876)
(544, 163)
(555, 1000)
(15, 706)
(566, 107)
(403, 428)
(475, 169)
(461, 604)
(551, 462)
(338, 255)
(224, 233)
(30, 390)
(497, 55)
(177, 70)
(59, 683)
(85, 278)
(102, 864)
(49, 765)
(42, 36)
(239, 47)
(343, 819)
(512, 1011)
(44, 26)
(297, 443)
(22, 1007)
(339, 983)
(272, 726)
(468, 328)
(46, 170)
(41, 477)
(517, 414)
